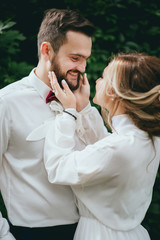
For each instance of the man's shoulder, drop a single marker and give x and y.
(15, 87)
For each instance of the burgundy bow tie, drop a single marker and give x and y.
(51, 96)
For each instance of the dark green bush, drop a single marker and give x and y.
(10, 69)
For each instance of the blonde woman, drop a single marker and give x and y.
(112, 179)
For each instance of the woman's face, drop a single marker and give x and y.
(101, 98)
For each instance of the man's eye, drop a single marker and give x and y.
(75, 59)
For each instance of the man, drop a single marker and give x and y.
(37, 209)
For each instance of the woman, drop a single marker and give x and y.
(112, 179)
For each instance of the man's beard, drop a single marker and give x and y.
(55, 66)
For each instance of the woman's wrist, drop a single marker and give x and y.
(81, 106)
(69, 106)
(70, 114)
(71, 111)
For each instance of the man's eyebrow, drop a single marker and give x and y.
(80, 55)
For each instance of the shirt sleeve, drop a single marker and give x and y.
(90, 125)
(4, 230)
(4, 129)
(4, 135)
(68, 167)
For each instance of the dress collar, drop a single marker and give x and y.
(120, 121)
(123, 124)
(39, 85)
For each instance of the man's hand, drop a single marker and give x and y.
(82, 93)
(65, 96)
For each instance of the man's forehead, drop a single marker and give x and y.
(75, 50)
(77, 44)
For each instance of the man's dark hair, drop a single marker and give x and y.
(57, 22)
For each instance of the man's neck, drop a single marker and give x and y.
(42, 73)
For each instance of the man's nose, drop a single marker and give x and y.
(81, 67)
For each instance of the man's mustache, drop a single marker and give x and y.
(76, 71)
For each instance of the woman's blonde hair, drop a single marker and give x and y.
(135, 81)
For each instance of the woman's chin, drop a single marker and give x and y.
(94, 100)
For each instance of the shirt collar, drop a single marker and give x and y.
(39, 85)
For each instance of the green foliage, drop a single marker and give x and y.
(9, 40)
(14, 72)
(152, 219)
(2, 207)
(10, 69)
(5, 26)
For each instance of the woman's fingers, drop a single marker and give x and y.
(85, 79)
(54, 83)
(52, 79)
(65, 95)
(66, 87)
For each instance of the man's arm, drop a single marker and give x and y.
(4, 230)
(4, 134)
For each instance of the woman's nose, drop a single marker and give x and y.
(97, 80)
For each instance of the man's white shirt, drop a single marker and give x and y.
(30, 199)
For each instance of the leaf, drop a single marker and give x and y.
(5, 26)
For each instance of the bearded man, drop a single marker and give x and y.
(37, 209)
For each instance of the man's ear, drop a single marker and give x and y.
(46, 50)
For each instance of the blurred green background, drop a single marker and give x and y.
(122, 26)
